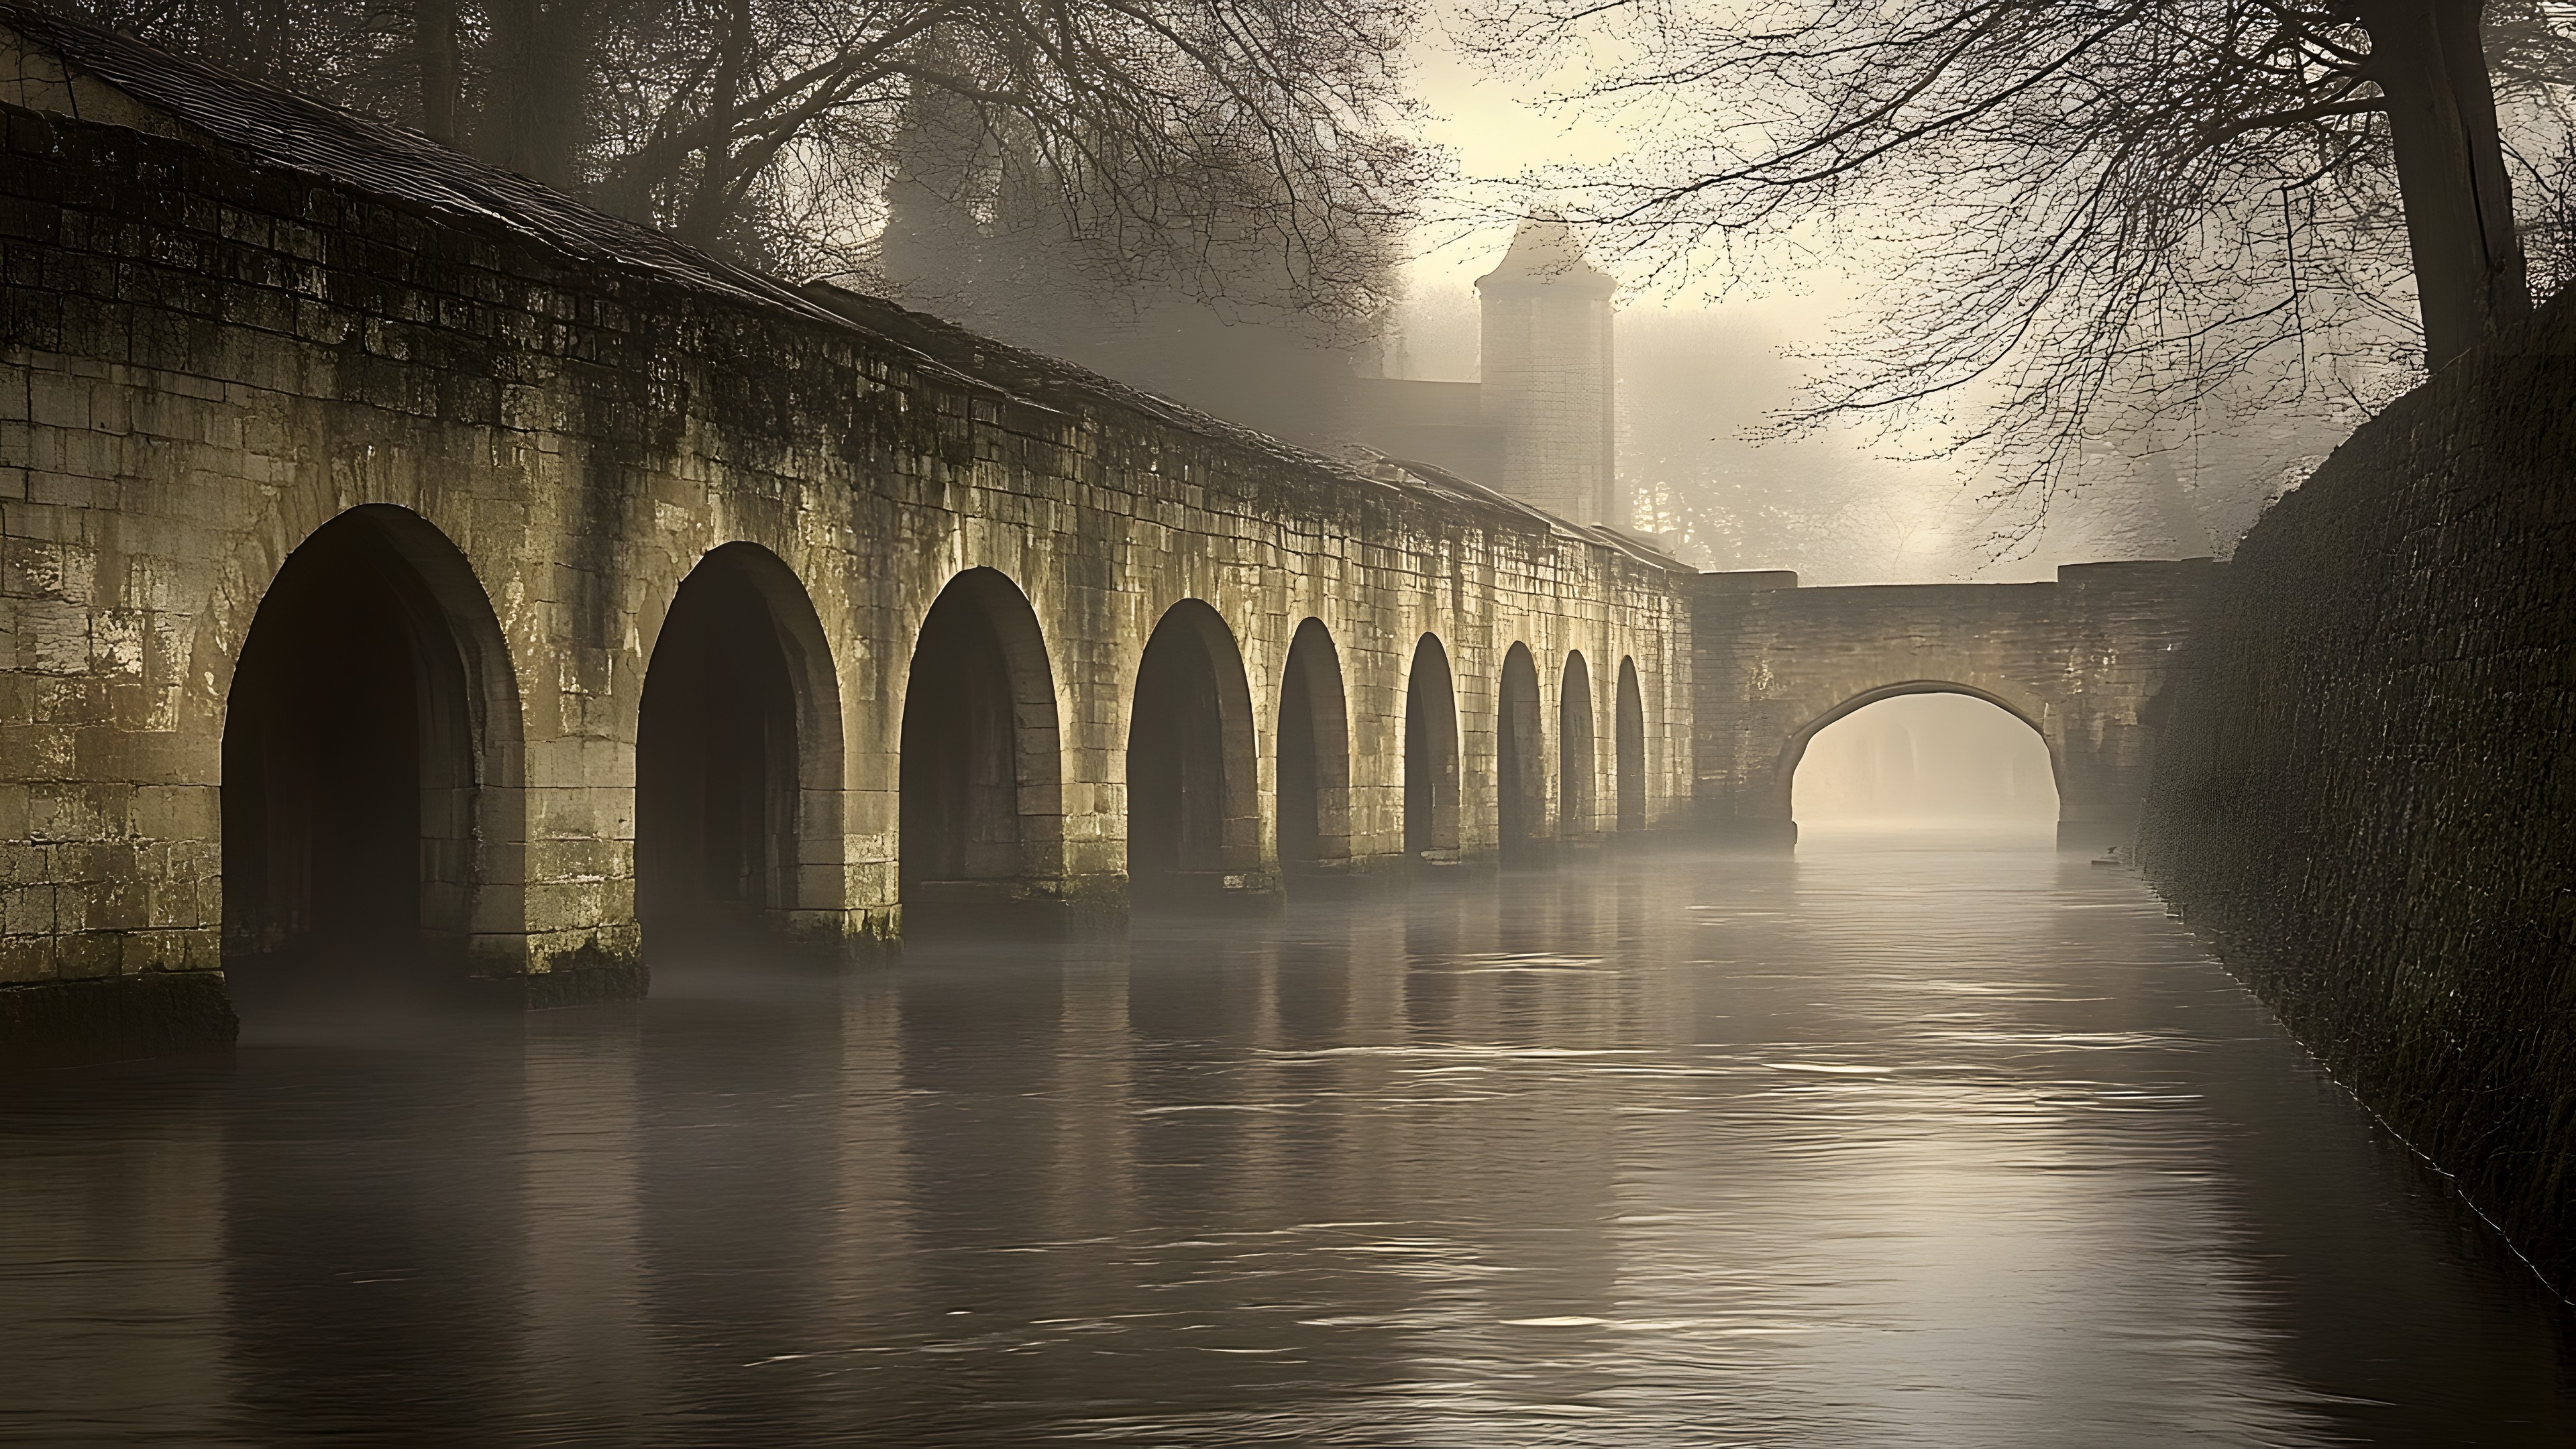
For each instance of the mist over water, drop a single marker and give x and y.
(1927, 762)
(1880, 1145)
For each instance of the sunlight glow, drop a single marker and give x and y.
(1926, 760)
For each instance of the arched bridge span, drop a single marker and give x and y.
(2080, 659)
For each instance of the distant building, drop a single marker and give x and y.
(1540, 424)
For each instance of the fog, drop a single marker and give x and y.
(1709, 357)
(1924, 761)
(929, 725)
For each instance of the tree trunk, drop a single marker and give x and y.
(540, 76)
(2430, 62)
(702, 222)
(435, 35)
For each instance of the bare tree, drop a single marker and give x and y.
(1165, 131)
(2092, 215)
(1192, 266)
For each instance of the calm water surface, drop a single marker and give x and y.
(1904, 1142)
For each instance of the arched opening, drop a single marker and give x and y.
(1631, 726)
(1191, 810)
(737, 759)
(1520, 757)
(1430, 754)
(1314, 774)
(370, 760)
(979, 772)
(1924, 757)
(1576, 761)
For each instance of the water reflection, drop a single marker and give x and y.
(1902, 1142)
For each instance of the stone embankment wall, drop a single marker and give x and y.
(2365, 794)
(221, 330)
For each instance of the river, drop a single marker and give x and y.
(1909, 1140)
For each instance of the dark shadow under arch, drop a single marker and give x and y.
(373, 820)
(1430, 753)
(1193, 807)
(980, 777)
(1314, 753)
(738, 762)
(1796, 748)
(1578, 763)
(1630, 744)
(1520, 756)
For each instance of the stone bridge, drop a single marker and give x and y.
(397, 560)
(403, 564)
(2081, 661)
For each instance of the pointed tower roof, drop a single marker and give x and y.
(1546, 254)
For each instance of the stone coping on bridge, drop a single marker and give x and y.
(2114, 571)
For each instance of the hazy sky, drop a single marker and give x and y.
(1900, 520)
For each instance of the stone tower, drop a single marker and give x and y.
(1548, 381)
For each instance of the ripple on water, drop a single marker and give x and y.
(1882, 1145)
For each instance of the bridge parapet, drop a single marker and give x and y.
(2080, 660)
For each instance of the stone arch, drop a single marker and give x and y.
(738, 761)
(1785, 774)
(373, 767)
(980, 774)
(1313, 778)
(1193, 801)
(1430, 753)
(1629, 731)
(1578, 757)
(1520, 756)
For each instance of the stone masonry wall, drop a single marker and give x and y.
(2365, 794)
(205, 355)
